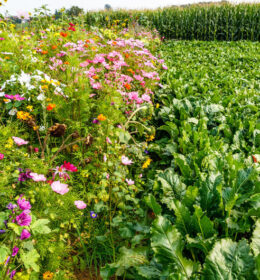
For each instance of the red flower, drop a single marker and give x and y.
(71, 24)
(63, 34)
(72, 28)
(69, 166)
(254, 159)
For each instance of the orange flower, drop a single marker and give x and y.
(47, 275)
(50, 107)
(101, 117)
(44, 52)
(66, 62)
(86, 45)
(63, 34)
(95, 77)
(54, 47)
(87, 41)
(114, 43)
(127, 86)
(127, 55)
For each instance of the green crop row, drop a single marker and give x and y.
(208, 22)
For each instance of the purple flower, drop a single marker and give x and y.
(7, 261)
(24, 176)
(146, 151)
(12, 274)
(96, 121)
(11, 206)
(24, 219)
(25, 234)
(24, 204)
(2, 231)
(93, 215)
(15, 251)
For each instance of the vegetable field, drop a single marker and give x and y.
(127, 156)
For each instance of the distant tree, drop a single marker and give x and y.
(74, 11)
(108, 7)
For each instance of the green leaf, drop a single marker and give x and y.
(151, 202)
(30, 258)
(209, 195)
(255, 244)
(181, 161)
(148, 271)
(3, 217)
(171, 185)
(40, 226)
(229, 260)
(202, 223)
(167, 245)
(4, 252)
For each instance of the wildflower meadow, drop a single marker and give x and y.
(124, 155)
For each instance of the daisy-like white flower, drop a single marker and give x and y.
(59, 187)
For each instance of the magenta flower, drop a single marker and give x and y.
(80, 204)
(1, 156)
(37, 177)
(24, 219)
(14, 97)
(12, 274)
(25, 234)
(2, 39)
(130, 182)
(36, 150)
(126, 161)
(69, 167)
(59, 188)
(19, 141)
(24, 204)
(15, 251)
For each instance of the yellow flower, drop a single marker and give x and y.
(146, 163)
(150, 138)
(25, 116)
(9, 144)
(47, 275)
(44, 87)
(30, 108)
(101, 117)
(157, 106)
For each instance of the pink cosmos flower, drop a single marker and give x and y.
(59, 188)
(61, 171)
(2, 39)
(80, 204)
(130, 182)
(38, 177)
(126, 161)
(107, 176)
(23, 15)
(1, 156)
(23, 204)
(25, 234)
(108, 140)
(19, 141)
(24, 219)
(69, 166)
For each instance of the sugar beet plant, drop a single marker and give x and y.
(204, 176)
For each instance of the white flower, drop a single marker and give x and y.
(41, 97)
(2, 93)
(42, 128)
(12, 112)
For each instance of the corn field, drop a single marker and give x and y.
(223, 22)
